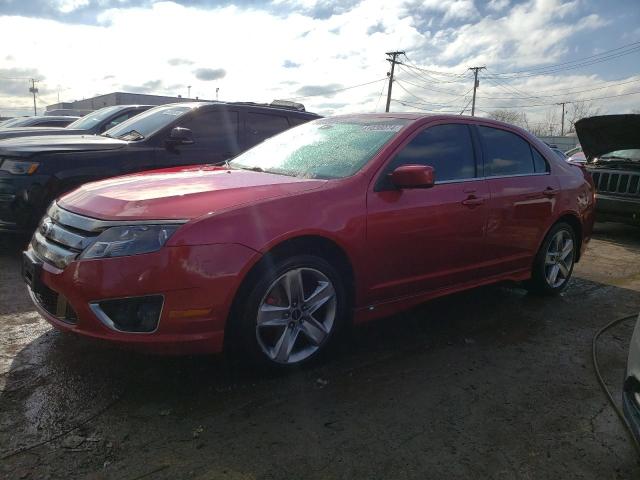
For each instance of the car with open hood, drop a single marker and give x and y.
(92, 124)
(611, 146)
(339, 220)
(35, 170)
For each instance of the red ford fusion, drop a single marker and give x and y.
(339, 220)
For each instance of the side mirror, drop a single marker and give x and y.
(180, 136)
(413, 176)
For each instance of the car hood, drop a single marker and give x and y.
(607, 133)
(32, 131)
(57, 143)
(185, 193)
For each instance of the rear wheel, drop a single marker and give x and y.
(554, 262)
(293, 312)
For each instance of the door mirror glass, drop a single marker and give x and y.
(413, 176)
(180, 136)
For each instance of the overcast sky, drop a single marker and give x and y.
(258, 51)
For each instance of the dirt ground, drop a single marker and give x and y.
(491, 383)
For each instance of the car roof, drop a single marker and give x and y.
(248, 105)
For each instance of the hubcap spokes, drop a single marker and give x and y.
(296, 315)
(559, 259)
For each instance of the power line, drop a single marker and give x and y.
(584, 62)
(328, 92)
(568, 102)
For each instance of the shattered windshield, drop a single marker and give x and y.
(325, 149)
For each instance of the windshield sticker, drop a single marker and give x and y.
(382, 128)
(174, 113)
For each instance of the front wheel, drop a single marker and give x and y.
(294, 310)
(553, 265)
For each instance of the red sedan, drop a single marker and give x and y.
(340, 220)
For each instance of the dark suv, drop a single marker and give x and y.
(35, 170)
(611, 144)
(91, 124)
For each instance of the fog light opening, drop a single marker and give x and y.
(132, 314)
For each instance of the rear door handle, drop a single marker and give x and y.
(472, 201)
(550, 192)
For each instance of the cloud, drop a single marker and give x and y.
(318, 90)
(208, 74)
(292, 51)
(174, 62)
(17, 81)
(452, 9)
(377, 28)
(150, 86)
(497, 5)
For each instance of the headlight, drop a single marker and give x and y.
(18, 167)
(129, 240)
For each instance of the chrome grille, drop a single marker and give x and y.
(62, 236)
(617, 182)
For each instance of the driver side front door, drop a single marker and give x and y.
(422, 240)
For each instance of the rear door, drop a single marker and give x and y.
(523, 198)
(426, 239)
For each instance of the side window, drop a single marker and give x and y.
(116, 121)
(505, 153)
(263, 125)
(53, 123)
(216, 129)
(295, 121)
(539, 163)
(447, 148)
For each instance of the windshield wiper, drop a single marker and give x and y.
(132, 134)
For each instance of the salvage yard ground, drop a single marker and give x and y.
(491, 383)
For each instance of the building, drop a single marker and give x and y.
(116, 98)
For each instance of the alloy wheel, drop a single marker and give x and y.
(559, 259)
(296, 316)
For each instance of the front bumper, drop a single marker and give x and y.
(618, 209)
(198, 284)
(21, 201)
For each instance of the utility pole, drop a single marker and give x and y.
(34, 90)
(476, 83)
(562, 124)
(217, 90)
(392, 58)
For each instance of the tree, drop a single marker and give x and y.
(509, 116)
(580, 109)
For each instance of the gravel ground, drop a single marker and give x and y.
(490, 383)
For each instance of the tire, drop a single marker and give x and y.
(276, 326)
(553, 264)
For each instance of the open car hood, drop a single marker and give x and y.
(607, 133)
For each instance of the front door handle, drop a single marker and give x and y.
(550, 192)
(472, 201)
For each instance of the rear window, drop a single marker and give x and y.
(505, 153)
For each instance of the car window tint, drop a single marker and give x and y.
(539, 163)
(116, 121)
(505, 153)
(261, 126)
(215, 129)
(298, 120)
(447, 148)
